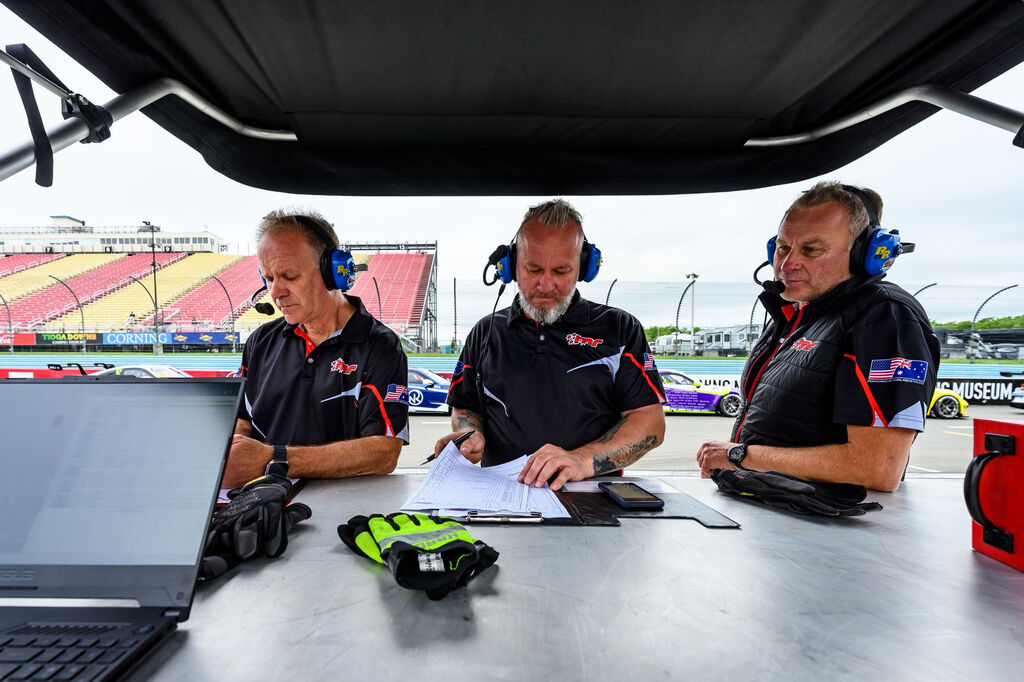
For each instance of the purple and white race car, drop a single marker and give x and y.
(687, 396)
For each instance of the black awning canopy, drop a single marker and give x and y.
(472, 98)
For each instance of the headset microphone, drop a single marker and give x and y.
(771, 286)
(264, 308)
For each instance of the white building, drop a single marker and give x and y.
(66, 234)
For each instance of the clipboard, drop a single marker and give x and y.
(597, 509)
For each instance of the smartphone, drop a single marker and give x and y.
(631, 496)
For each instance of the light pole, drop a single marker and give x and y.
(678, 308)
(231, 313)
(10, 324)
(608, 296)
(693, 330)
(926, 286)
(978, 311)
(153, 229)
(156, 330)
(79, 303)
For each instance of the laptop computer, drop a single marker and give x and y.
(106, 494)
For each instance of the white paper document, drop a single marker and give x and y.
(454, 486)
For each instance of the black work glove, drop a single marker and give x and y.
(255, 521)
(423, 552)
(783, 491)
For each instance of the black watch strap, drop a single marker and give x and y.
(279, 464)
(736, 454)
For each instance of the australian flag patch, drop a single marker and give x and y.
(898, 369)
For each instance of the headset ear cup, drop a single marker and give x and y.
(325, 269)
(590, 262)
(506, 266)
(771, 249)
(859, 251)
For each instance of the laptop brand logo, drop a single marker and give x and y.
(17, 575)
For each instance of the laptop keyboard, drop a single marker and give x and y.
(65, 656)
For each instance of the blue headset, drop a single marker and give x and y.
(337, 267)
(504, 261)
(875, 249)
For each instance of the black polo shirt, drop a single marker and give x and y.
(565, 384)
(350, 386)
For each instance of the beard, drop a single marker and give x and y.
(546, 315)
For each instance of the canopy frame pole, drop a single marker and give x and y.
(977, 108)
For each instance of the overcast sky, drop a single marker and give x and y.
(952, 185)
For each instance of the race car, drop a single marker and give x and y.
(684, 395)
(947, 404)
(1017, 397)
(427, 391)
(146, 372)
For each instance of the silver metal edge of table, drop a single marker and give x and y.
(894, 595)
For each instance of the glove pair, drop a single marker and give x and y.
(783, 491)
(423, 552)
(255, 520)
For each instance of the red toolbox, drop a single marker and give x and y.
(994, 491)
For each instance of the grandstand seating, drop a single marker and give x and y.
(27, 282)
(402, 279)
(132, 303)
(23, 261)
(206, 306)
(35, 309)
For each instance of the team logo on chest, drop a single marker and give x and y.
(574, 339)
(804, 344)
(340, 367)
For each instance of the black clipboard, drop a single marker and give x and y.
(597, 509)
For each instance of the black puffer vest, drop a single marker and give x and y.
(789, 393)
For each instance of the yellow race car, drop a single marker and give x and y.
(947, 404)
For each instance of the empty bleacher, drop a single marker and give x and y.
(402, 279)
(112, 312)
(36, 309)
(31, 280)
(23, 261)
(206, 306)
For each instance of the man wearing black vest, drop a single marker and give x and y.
(838, 385)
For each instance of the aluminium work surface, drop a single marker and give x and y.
(894, 595)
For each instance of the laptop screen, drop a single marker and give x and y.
(110, 472)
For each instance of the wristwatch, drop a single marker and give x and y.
(736, 455)
(279, 464)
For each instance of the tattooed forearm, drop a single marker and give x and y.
(466, 419)
(612, 431)
(622, 457)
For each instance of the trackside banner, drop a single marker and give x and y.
(974, 391)
(168, 338)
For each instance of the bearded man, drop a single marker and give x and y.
(569, 382)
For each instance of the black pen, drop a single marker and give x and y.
(458, 441)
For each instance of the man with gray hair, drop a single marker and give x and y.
(325, 391)
(569, 382)
(838, 385)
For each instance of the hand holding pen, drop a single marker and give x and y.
(457, 441)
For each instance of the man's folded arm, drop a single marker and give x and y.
(873, 457)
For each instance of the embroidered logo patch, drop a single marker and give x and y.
(649, 362)
(340, 366)
(459, 367)
(397, 393)
(804, 344)
(574, 339)
(898, 369)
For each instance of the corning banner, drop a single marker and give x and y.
(168, 338)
